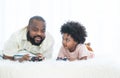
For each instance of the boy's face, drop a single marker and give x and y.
(37, 31)
(68, 42)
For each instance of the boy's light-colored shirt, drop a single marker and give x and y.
(18, 43)
(79, 52)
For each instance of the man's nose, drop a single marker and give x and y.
(39, 33)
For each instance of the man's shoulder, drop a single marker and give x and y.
(20, 33)
(48, 40)
(22, 30)
(49, 36)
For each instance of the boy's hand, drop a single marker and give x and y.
(83, 58)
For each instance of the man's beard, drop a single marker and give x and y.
(32, 40)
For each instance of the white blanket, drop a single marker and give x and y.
(92, 68)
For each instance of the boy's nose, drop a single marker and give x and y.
(64, 44)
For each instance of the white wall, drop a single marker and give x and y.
(100, 17)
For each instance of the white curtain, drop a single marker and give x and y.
(100, 17)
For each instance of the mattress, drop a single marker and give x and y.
(92, 68)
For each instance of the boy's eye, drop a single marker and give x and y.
(67, 40)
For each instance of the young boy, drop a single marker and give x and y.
(73, 38)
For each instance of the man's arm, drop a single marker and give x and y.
(25, 57)
(10, 47)
(8, 57)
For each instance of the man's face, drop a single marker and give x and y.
(37, 32)
(68, 42)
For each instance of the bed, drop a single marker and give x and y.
(92, 68)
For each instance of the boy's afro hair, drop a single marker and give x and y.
(76, 30)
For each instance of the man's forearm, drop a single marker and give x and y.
(8, 57)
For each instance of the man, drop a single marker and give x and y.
(31, 40)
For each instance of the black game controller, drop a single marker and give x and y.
(64, 59)
(32, 58)
(36, 59)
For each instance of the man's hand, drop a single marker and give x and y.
(39, 55)
(25, 57)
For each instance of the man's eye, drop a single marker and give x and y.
(34, 29)
(43, 30)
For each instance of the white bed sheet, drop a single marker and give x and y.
(92, 68)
